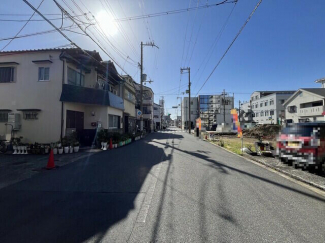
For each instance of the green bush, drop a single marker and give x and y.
(221, 143)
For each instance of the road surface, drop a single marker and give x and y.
(168, 187)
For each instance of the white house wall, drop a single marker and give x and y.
(26, 92)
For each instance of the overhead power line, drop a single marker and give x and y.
(174, 11)
(35, 20)
(241, 29)
(22, 27)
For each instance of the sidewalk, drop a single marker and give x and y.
(15, 168)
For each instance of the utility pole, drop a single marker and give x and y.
(141, 81)
(224, 107)
(239, 110)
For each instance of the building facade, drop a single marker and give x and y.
(185, 112)
(129, 115)
(215, 110)
(58, 91)
(305, 105)
(267, 106)
(156, 116)
(148, 101)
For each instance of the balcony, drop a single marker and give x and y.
(147, 102)
(79, 94)
(312, 111)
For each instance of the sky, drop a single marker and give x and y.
(281, 47)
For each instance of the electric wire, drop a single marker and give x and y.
(241, 29)
(22, 27)
(177, 11)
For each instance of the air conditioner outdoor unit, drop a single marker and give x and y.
(14, 120)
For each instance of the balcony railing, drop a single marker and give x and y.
(79, 94)
(312, 111)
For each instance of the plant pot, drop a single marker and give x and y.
(76, 149)
(102, 144)
(60, 150)
(66, 150)
(55, 151)
(120, 144)
(71, 149)
(105, 146)
(15, 149)
(25, 150)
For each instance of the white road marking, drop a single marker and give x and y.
(141, 218)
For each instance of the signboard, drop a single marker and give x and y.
(187, 91)
(139, 113)
(175, 107)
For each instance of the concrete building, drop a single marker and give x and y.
(129, 115)
(305, 105)
(267, 106)
(215, 110)
(185, 112)
(156, 116)
(56, 91)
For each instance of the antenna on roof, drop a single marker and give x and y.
(321, 81)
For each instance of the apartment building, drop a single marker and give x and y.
(52, 92)
(267, 106)
(215, 110)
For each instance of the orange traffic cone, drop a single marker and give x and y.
(50, 163)
(110, 143)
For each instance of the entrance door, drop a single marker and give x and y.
(75, 121)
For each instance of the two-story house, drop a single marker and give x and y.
(57, 91)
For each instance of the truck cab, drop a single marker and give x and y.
(303, 144)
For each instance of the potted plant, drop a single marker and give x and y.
(54, 148)
(65, 145)
(47, 149)
(60, 148)
(76, 147)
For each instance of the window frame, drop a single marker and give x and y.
(114, 118)
(43, 80)
(12, 75)
(80, 82)
(3, 114)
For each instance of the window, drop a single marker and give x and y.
(6, 74)
(271, 102)
(113, 121)
(256, 114)
(266, 103)
(43, 74)
(261, 104)
(256, 97)
(75, 78)
(272, 113)
(3, 116)
(262, 113)
(191, 102)
(30, 115)
(256, 106)
(282, 101)
(266, 113)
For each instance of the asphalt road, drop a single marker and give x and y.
(168, 187)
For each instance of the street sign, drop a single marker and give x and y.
(187, 91)
(175, 107)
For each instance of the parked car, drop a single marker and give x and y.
(303, 144)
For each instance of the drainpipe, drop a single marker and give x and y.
(62, 104)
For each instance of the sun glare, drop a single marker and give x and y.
(107, 23)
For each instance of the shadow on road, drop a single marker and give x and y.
(83, 200)
(222, 167)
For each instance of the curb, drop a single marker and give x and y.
(298, 178)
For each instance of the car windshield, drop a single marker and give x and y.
(304, 131)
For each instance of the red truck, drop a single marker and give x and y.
(303, 145)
